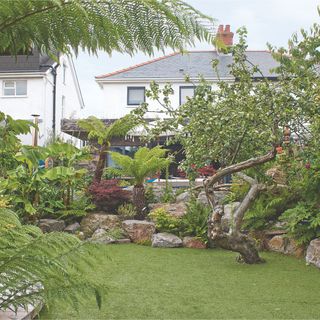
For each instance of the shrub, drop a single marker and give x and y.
(195, 222)
(150, 195)
(164, 221)
(127, 211)
(303, 222)
(116, 233)
(107, 195)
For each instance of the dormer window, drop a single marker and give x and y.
(14, 88)
(136, 96)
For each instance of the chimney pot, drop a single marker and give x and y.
(225, 35)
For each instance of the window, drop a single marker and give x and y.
(186, 92)
(15, 88)
(136, 95)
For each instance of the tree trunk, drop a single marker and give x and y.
(139, 200)
(101, 163)
(234, 240)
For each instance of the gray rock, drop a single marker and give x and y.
(176, 210)
(72, 228)
(101, 236)
(220, 196)
(139, 231)
(166, 240)
(202, 198)
(183, 197)
(93, 221)
(50, 225)
(313, 253)
(227, 217)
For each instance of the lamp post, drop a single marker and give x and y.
(35, 131)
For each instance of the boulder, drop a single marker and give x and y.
(183, 197)
(277, 174)
(166, 240)
(93, 221)
(193, 242)
(139, 231)
(313, 253)
(220, 196)
(293, 249)
(101, 236)
(176, 210)
(227, 217)
(72, 228)
(277, 244)
(50, 225)
(283, 244)
(202, 198)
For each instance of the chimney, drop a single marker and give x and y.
(225, 35)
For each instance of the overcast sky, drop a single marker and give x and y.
(272, 21)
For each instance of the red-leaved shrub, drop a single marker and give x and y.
(107, 195)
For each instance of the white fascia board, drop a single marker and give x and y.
(8, 75)
(76, 81)
(159, 80)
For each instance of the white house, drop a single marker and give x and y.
(33, 85)
(125, 89)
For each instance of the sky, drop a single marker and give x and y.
(267, 21)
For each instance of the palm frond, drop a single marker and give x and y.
(110, 25)
(37, 267)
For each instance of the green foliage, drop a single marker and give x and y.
(303, 222)
(127, 211)
(33, 190)
(116, 233)
(9, 141)
(150, 195)
(164, 221)
(167, 195)
(268, 207)
(146, 162)
(195, 222)
(120, 25)
(238, 191)
(37, 267)
(98, 131)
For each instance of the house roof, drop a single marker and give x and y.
(193, 63)
(25, 63)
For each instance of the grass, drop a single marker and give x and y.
(149, 283)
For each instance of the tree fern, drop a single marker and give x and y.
(37, 267)
(110, 25)
(146, 162)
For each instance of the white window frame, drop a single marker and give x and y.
(14, 87)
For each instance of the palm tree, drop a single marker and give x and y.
(146, 162)
(110, 25)
(102, 134)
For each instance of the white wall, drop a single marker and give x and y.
(33, 103)
(115, 99)
(72, 104)
(39, 100)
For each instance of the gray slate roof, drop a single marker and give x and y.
(24, 63)
(194, 63)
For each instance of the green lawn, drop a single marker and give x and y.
(149, 283)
